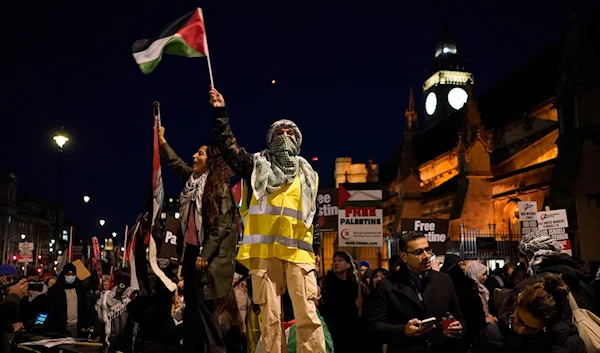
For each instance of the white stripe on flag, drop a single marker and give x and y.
(154, 50)
(365, 195)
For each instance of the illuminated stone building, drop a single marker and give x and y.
(535, 136)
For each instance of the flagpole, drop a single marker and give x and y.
(70, 245)
(125, 246)
(210, 73)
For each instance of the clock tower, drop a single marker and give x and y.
(444, 92)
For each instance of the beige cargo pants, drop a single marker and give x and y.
(269, 282)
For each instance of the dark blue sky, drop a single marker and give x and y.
(343, 75)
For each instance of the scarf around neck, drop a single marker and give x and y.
(192, 195)
(278, 166)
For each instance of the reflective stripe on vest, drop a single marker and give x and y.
(274, 211)
(271, 239)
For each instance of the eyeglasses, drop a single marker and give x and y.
(419, 252)
(517, 321)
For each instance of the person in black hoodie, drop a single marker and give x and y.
(535, 324)
(67, 304)
(341, 302)
(468, 298)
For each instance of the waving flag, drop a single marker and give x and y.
(157, 184)
(185, 36)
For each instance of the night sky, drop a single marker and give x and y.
(342, 74)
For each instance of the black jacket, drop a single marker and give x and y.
(9, 311)
(500, 338)
(220, 239)
(396, 302)
(57, 306)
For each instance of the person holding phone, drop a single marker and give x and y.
(416, 309)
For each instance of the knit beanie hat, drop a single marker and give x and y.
(365, 263)
(7, 270)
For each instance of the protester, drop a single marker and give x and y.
(543, 254)
(341, 302)
(11, 296)
(535, 323)
(517, 276)
(278, 211)
(33, 303)
(209, 228)
(111, 311)
(67, 306)
(370, 343)
(497, 282)
(478, 272)
(452, 259)
(394, 263)
(467, 291)
(413, 294)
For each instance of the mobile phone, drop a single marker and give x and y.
(426, 323)
(41, 318)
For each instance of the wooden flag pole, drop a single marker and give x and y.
(70, 253)
(359, 278)
(210, 73)
(125, 246)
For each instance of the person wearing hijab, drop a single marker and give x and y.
(478, 272)
(67, 305)
(210, 231)
(278, 210)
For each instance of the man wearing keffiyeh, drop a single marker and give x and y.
(278, 211)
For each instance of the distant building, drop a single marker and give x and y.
(532, 137)
(25, 215)
(348, 172)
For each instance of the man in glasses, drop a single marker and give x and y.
(415, 293)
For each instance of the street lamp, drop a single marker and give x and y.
(61, 140)
(114, 234)
(23, 236)
(86, 199)
(177, 215)
(102, 222)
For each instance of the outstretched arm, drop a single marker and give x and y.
(177, 165)
(235, 156)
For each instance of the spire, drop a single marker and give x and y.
(474, 124)
(411, 114)
(409, 163)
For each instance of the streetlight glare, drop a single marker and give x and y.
(114, 234)
(23, 236)
(102, 222)
(177, 215)
(53, 241)
(60, 138)
(86, 199)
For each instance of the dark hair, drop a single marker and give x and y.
(375, 273)
(219, 176)
(351, 270)
(544, 299)
(408, 237)
(508, 267)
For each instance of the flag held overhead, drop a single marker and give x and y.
(185, 36)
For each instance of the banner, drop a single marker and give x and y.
(555, 224)
(360, 215)
(327, 204)
(168, 249)
(435, 230)
(528, 216)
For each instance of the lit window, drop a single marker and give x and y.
(163, 215)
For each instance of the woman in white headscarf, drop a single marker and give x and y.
(478, 272)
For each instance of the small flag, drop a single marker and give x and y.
(185, 36)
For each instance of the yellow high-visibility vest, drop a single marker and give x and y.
(273, 227)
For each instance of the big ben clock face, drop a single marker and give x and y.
(457, 97)
(430, 103)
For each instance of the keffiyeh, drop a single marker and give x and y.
(192, 195)
(539, 245)
(110, 309)
(279, 165)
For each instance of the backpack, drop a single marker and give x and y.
(588, 326)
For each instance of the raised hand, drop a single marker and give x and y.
(216, 99)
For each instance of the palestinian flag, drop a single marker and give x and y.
(184, 37)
